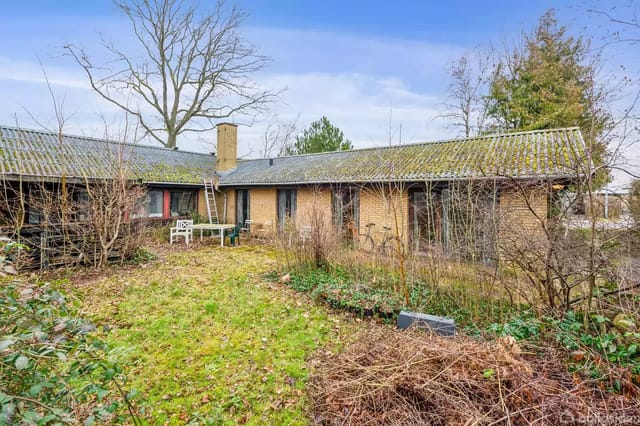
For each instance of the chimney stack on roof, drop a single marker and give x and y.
(227, 152)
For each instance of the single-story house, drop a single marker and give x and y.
(174, 178)
(410, 188)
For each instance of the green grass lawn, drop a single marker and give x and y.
(204, 338)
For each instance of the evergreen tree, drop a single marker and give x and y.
(321, 136)
(547, 85)
(550, 84)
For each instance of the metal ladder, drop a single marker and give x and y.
(210, 200)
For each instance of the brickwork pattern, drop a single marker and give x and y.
(523, 214)
(384, 206)
(263, 204)
(227, 146)
(522, 209)
(231, 207)
(313, 203)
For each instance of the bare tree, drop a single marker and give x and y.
(111, 200)
(277, 138)
(194, 69)
(467, 106)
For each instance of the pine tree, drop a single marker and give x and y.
(550, 84)
(321, 136)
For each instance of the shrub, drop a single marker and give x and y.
(52, 368)
(142, 255)
(600, 341)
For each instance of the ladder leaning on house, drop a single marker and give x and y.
(210, 200)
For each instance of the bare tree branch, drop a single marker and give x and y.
(467, 106)
(277, 138)
(195, 68)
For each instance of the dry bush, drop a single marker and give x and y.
(66, 223)
(392, 377)
(317, 236)
(110, 201)
(310, 238)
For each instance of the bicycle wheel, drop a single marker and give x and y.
(365, 243)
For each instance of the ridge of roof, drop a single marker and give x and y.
(102, 140)
(438, 141)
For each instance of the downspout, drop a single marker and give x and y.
(224, 209)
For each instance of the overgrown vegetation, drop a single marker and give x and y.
(606, 350)
(396, 378)
(65, 223)
(490, 270)
(372, 295)
(606, 336)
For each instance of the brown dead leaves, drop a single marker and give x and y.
(397, 378)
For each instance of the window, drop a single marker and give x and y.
(286, 205)
(428, 218)
(34, 212)
(182, 203)
(461, 220)
(242, 206)
(346, 211)
(154, 204)
(81, 196)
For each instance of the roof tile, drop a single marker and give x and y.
(43, 154)
(520, 154)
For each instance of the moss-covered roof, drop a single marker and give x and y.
(541, 153)
(38, 154)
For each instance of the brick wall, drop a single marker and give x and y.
(385, 206)
(523, 212)
(202, 204)
(313, 204)
(522, 208)
(202, 207)
(231, 207)
(263, 205)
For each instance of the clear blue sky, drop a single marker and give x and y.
(364, 64)
(449, 21)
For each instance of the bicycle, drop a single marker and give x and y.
(365, 241)
(389, 241)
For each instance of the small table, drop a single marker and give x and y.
(221, 227)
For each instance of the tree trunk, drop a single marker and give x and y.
(171, 141)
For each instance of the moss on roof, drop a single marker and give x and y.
(521, 154)
(43, 154)
(540, 153)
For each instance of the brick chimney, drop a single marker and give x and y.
(227, 155)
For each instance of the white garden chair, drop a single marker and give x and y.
(246, 229)
(183, 228)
